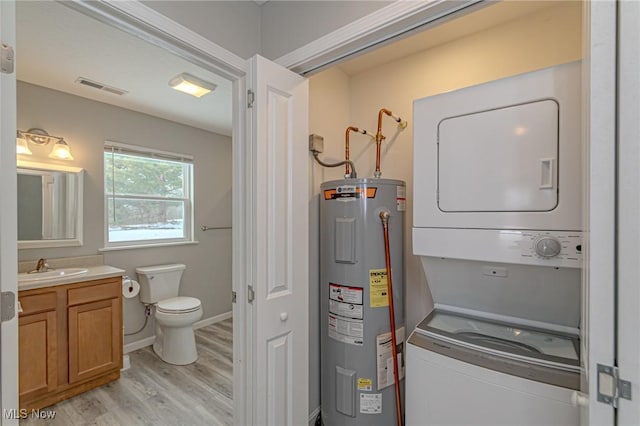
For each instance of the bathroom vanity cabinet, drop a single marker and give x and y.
(70, 340)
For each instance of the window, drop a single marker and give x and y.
(148, 196)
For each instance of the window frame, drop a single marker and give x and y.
(188, 195)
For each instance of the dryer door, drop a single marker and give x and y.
(506, 154)
(500, 160)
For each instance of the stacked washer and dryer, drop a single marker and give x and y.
(497, 224)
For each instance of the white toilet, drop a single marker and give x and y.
(175, 342)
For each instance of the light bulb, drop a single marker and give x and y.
(22, 147)
(61, 151)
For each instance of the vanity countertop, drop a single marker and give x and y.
(93, 273)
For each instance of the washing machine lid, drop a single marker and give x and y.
(511, 340)
(179, 305)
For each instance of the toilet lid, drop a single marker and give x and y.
(179, 305)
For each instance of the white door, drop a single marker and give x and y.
(628, 350)
(8, 220)
(278, 168)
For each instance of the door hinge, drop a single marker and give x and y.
(234, 297)
(6, 58)
(251, 97)
(611, 387)
(251, 295)
(7, 306)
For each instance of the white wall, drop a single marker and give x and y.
(288, 25)
(234, 25)
(542, 39)
(85, 125)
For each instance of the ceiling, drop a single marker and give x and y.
(55, 45)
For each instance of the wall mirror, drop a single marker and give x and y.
(49, 205)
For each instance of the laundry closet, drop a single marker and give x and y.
(496, 42)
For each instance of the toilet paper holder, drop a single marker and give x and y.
(130, 288)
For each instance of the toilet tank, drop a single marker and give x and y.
(159, 282)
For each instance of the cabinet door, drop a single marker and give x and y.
(94, 339)
(38, 364)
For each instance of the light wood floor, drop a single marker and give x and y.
(152, 392)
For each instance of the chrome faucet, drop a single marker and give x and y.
(41, 266)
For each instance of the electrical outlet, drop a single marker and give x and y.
(316, 143)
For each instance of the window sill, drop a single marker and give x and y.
(145, 246)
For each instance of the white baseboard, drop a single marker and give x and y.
(313, 415)
(138, 344)
(212, 320)
(148, 341)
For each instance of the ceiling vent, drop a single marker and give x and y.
(100, 86)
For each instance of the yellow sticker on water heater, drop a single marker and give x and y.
(365, 384)
(378, 292)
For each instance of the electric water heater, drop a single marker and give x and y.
(357, 376)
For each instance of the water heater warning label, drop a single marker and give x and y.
(384, 357)
(346, 323)
(346, 294)
(401, 198)
(371, 403)
(378, 291)
(364, 384)
(347, 310)
(346, 330)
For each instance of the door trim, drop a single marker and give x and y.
(8, 219)
(599, 274)
(135, 18)
(390, 23)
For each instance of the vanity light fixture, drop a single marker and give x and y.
(191, 85)
(60, 151)
(22, 147)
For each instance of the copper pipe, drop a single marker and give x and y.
(380, 137)
(384, 217)
(347, 170)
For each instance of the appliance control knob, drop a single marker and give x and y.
(548, 247)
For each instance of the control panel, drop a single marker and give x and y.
(562, 249)
(549, 245)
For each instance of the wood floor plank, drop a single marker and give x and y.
(153, 392)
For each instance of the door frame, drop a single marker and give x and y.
(628, 291)
(143, 22)
(386, 25)
(8, 218)
(599, 131)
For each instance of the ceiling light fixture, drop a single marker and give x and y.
(191, 85)
(60, 151)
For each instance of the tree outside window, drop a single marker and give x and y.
(147, 198)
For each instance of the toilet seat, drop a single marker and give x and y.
(178, 305)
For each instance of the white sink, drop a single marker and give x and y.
(50, 275)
